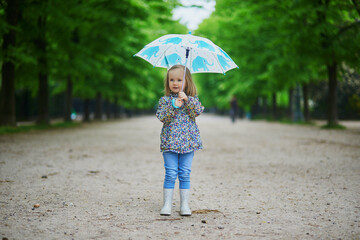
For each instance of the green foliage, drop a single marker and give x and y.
(93, 42)
(354, 103)
(277, 44)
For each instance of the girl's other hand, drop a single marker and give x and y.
(183, 96)
(179, 102)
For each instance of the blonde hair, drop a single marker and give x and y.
(190, 88)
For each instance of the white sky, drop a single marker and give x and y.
(192, 17)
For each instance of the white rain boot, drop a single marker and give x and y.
(184, 202)
(168, 196)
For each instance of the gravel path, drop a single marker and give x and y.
(253, 180)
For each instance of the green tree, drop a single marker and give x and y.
(7, 95)
(280, 44)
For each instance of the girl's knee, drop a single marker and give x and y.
(171, 171)
(184, 175)
(184, 172)
(171, 174)
(184, 180)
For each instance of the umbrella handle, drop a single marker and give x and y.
(187, 56)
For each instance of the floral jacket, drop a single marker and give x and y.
(180, 133)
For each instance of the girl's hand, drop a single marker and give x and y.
(179, 102)
(183, 96)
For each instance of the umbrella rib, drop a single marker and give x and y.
(163, 54)
(191, 59)
(219, 64)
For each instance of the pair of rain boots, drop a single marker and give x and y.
(184, 202)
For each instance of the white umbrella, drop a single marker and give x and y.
(198, 54)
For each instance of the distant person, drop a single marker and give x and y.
(233, 108)
(180, 135)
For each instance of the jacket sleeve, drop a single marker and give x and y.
(165, 111)
(193, 106)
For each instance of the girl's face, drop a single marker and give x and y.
(176, 79)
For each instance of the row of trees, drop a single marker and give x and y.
(84, 49)
(81, 49)
(279, 45)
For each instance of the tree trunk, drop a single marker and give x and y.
(255, 108)
(108, 109)
(7, 101)
(43, 93)
(98, 107)
(274, 107)
(115, 108)
(86, 114)
(68, 99)
(69, 84)
(291, 103)
(298, 116)
(43, 100)
(265, 107)
(305, 89)
(332, 69)
(24, 105)
(332, 108)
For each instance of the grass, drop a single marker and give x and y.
(20, 129)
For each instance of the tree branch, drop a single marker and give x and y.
(357, 5)
(347, 27)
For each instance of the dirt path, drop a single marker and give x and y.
(104, 181)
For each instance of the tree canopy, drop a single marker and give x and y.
(278, 44)
(84, 50)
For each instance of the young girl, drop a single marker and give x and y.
(180, 136)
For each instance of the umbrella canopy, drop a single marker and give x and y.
(173, 49)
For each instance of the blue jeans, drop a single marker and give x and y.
(177, 165)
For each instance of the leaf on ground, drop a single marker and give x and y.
(167, 219)
(105, 219)
(53, 174)
(204, 211)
